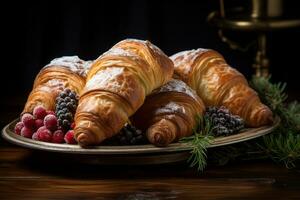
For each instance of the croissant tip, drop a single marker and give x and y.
(159, 140)
(269, 118)
(84, 139)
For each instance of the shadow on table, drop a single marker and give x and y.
(89, 167)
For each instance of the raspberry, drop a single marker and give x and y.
(41, 129)
(44, 134)
(39, 123)
(26, 132)
(73, 125)
(35, 136)
(50, 112)
(39, 112)
(50, 121)
(28, 120)
(19, 127)
(69, 137)
(58, 136)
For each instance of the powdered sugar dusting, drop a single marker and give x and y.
(153, 47)
(177, 86)
(116, 51)
(183, 54)
(134, 40)
(86, 66)
(171, 107)
(103, 78)
(186, 58)
(54, 83)
(73, 63)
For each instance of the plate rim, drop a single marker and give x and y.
(10, 136)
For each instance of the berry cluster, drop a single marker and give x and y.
(128, 135)
(43, 126)
(223, 122)
(66, 104)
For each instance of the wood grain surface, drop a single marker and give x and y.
(26, 174)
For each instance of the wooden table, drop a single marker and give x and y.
(26, 174)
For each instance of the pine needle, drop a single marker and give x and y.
(271, 94)
(199, 141)
(283, 145)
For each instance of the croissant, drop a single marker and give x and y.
(60, 73)
(116, 87)
(169, 113)
(218, 84)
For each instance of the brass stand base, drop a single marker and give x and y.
(261, 61)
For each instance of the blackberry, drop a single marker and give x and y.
(66, 104)
(128, 135)
(223, 122)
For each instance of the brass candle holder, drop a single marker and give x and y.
(264, 16)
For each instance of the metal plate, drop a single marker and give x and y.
(244, 135)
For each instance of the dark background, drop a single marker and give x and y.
(37, 32)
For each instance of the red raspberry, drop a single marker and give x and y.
(39, 123)
(28, 120)
(58, 137)
(50, 112)
(35, 136)
(50, 121)
(41, 129)
(73, 125)
(39, 112)
(26, 132)
(69, 137)
(44, 134)
(19, 127)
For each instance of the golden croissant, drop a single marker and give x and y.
(116, 87)
(218, 84)
(60, 73)
(169, 113)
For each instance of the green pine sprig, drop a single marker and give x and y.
(271, 94)
(199, 141)
(283, 145)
